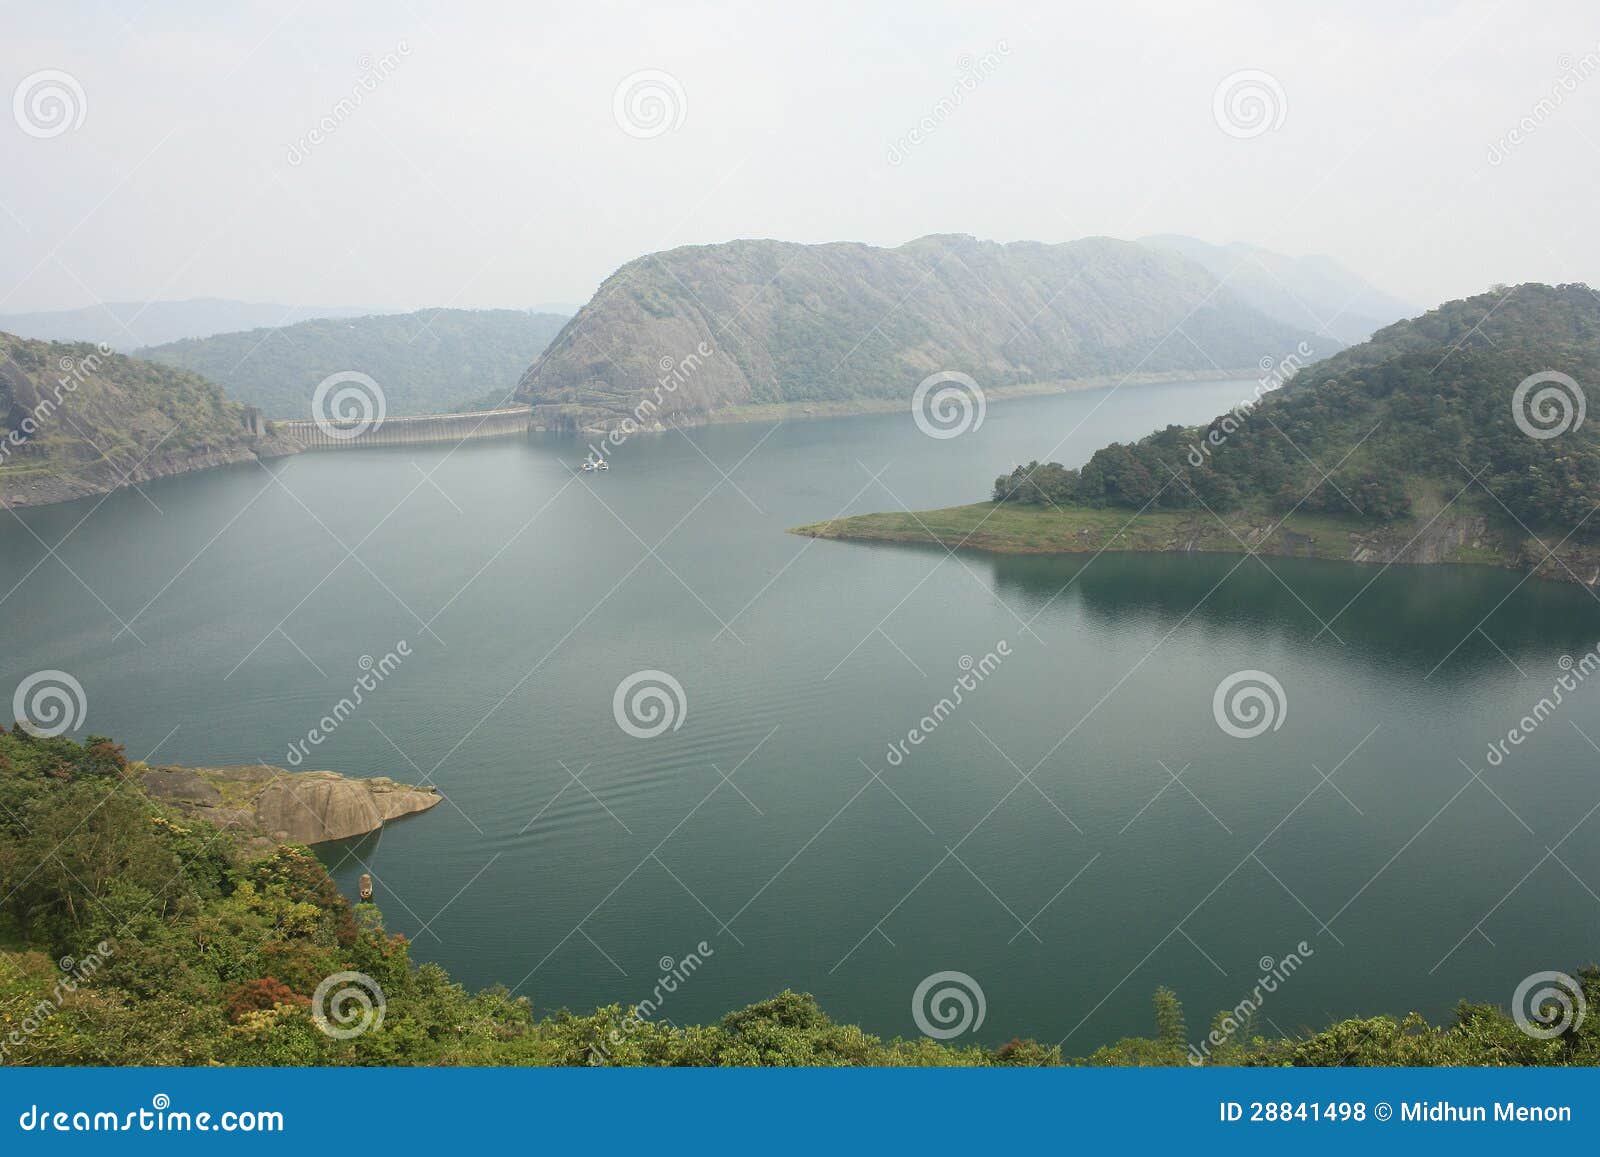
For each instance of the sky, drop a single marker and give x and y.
(405, 154)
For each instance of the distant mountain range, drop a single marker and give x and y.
(432, 361)
(788, 323)
(128, 325)
(1315, 293)
(698, 331)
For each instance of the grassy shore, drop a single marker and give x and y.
(1009, 529)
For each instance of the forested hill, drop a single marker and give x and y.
(1559, 324)
(134, 933)
(78, 419)
(843, 322)
(1402, 424)
(433, 361)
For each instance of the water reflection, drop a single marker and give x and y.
(1442, 623)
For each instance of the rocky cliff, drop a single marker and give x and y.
(767, 322)
(77, 420)
(260, 803)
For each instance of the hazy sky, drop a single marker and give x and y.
(489, 168)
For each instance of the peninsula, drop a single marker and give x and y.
(1455, 437)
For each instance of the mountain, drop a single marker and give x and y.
(1314, 292)
(127, 325)
(1457, 436)
(1402, 421)
(79, 419)
(433, 361)
(762, 322)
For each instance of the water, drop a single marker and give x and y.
(574, 861)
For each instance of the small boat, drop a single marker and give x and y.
(588, 466)
(602, 465)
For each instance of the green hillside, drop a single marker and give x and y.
(1413, 415)
(79, 419)
(181, 949)
(1446, 438)
(433, 361)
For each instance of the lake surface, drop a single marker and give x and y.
(574, 861)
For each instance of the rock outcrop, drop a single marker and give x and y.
(262, 803)
(77, 420)
(705, 329)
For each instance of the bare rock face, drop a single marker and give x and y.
(97, 421)
(676, 337)
(300, 807)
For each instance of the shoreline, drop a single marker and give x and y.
(1454, 537)
(38, 488)
(804, 411)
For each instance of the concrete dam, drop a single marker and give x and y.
(411, 430)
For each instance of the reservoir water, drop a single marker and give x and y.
(1077, 831)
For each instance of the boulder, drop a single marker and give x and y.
(300, 807)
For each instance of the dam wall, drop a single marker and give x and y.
(411, 430)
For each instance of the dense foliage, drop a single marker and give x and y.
(1399, 423)
(202, 956)
(433, 361)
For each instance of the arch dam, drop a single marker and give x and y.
(408, 430)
